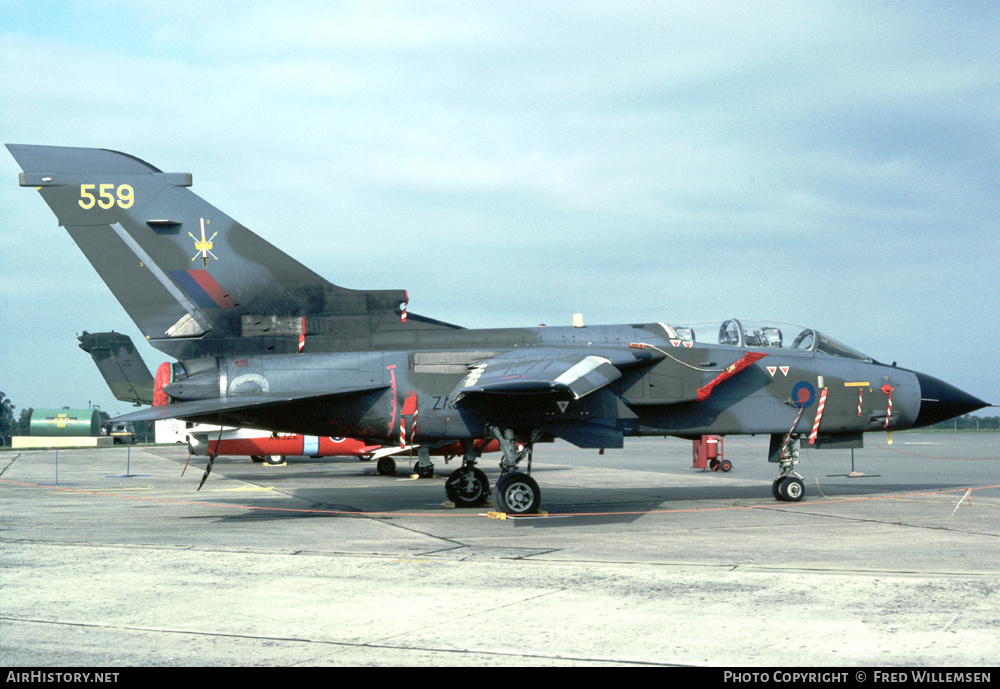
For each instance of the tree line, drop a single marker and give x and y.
(969, 423)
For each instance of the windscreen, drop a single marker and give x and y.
(765, 334)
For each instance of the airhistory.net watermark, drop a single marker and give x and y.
(40, 677)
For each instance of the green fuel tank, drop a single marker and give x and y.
(65, 422)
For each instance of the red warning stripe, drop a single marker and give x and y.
(888, 390)
(819, 415)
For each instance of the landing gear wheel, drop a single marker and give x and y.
(517, 493)
(791, 489)
(467, 488)
(726, 465)
(425, 471)
(775, 486)
(275, 460)
(386, 466)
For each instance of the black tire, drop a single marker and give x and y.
(776, 488)
(726, 465)
(467, 488)
(275, 460)
(792, 489)
(386, 466)
(517, 493)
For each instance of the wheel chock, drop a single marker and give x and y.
(504, 515)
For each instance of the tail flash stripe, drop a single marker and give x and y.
(213, 289)
(203, 289)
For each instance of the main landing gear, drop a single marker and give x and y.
(515, 492)
(468, 486)
(269, 460)
(789, 486)
(423, 468)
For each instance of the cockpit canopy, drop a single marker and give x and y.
(749, 333)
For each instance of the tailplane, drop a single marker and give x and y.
(195, 281)
(122, 367)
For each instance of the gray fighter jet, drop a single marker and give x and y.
(263, 342)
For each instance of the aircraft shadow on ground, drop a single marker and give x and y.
(586, 505)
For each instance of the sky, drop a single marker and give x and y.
(510, 164)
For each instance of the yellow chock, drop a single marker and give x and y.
(504, 515)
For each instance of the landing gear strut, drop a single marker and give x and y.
(424, 468)
(789, 486)
(515, 492)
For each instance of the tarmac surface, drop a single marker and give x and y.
(110, 558)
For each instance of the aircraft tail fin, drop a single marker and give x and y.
(195, 281)
(122, 367)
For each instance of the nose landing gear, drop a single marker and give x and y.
(789, 486)
(788, 489)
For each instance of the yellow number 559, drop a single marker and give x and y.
(123, 196)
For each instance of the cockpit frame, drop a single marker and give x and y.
(765, 334)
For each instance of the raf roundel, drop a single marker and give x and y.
(803, 395)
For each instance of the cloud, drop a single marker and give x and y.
(509, 164)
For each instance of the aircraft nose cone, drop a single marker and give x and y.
(940, 401)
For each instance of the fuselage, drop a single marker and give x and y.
(411, 383)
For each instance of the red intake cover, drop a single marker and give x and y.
(163, 375)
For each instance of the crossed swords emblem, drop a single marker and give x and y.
(204, 246)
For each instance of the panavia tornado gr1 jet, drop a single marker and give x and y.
(263, 342)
